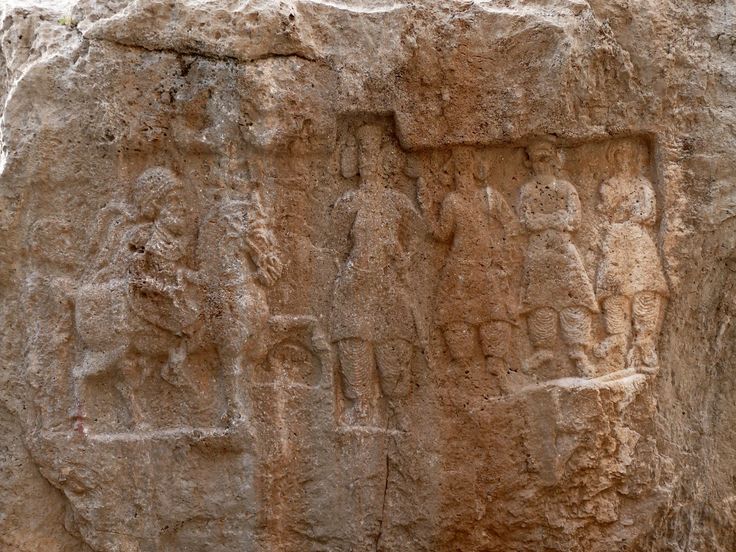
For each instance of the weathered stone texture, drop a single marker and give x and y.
(358, 275)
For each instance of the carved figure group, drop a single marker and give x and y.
(372, 318)
(149, 303)
(630, 282)
(172, 280)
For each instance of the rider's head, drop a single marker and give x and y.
(152, 189)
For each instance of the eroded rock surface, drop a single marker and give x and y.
(367, 275)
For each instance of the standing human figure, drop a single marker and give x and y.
(474, 293)
(630, 281)
(240, 250)
(372, 319)
(555, 283)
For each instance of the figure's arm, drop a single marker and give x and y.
(445, 227)
(423, 195)
(442, 227)
(411, 226)
(564, 220)
(109, 247)
(343, 215)
(533, 222)
(104, 227)
(570, 218)
(646, 210)
(505, 214)
(409, 214)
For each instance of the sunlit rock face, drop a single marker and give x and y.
(364, 275)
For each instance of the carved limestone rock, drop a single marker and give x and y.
(367, 275)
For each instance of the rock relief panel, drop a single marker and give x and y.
(501, 270)
(544, 263)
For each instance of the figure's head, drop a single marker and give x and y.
(463, 162)
(151, 190)
(161, 198)
(543, 157)
(624, 157)
(369, 151)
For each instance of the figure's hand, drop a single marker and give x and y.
(559, 221)
(270, 268)
(320, 341)
(567, 223)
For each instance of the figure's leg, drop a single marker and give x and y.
(618, 326)
(231, 366)
(495, 338)
(231, 372)
(645, 314)
(132, 375)
(576, 326)
(356, 368)
(394, 366)
(79, 412)
(94, 363)
(393, 359)
(460, 340)
(542, 326)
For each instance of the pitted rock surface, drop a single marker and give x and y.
(367, 275)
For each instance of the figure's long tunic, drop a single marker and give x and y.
(155, 292)
(554, 275)
(370, 299)
(630, 263)
(474, 285)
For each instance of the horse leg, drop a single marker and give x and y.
(94, 363)
(231, 374)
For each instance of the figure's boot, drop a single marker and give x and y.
(648, 360)
(359, 413)
(649, 357)
(499, 369)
